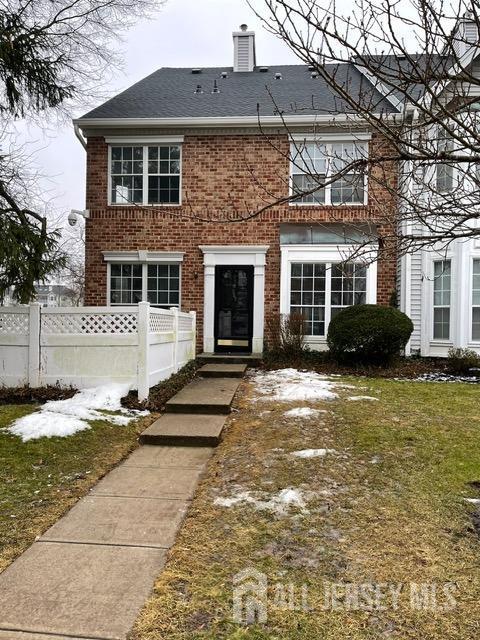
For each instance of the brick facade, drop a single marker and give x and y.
(220, 174)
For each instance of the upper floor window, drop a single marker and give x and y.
(141, 174)
(315, 163)
(444, 175)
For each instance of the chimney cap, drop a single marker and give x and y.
(243, 27)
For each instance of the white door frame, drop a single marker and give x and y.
(242, 255)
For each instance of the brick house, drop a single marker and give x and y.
(170, 162)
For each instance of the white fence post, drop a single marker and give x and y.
(174, 311)
(194, 334)
(34, 320)
(143, 382)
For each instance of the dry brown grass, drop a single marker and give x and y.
(387, 508)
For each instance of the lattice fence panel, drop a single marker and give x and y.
(14, 323)
(185, 323)
(89, 323)
(160, 321)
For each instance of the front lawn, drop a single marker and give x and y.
(41, 479)
(384, 509)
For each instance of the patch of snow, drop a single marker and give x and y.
(312, 453)
(289, 385)
(278, 503)
(63, 418)
(303, 412)
(375, 460)
(472, 500)
(441, 377)
(358, 398)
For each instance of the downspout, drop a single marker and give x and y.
(78, 133)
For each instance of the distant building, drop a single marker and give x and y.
(48, 295)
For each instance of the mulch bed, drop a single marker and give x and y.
(408, 368)
(27, 395)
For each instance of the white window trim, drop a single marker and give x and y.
(144, 258)
(328, 139)
(323, 254)
(476, 342)
(139, 142)
(432, 302)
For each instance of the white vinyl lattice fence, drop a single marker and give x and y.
(89, 346)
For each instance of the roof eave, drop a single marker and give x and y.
(86, 123)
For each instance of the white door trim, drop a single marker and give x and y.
(253, 255)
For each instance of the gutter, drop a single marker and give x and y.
(343, 118)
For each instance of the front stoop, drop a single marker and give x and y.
(222, 370)
(212, 396)
(250, 359)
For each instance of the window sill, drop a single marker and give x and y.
(324, 204)
(143, 206)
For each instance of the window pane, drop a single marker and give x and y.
(348, 285)
(476, 324)
(303, 183)
(441, 299)
(307, 278)
(164, 284)
(476, 300)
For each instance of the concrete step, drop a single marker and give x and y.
(210, 396)
(185, 430)
(252, 359)
(222, 370)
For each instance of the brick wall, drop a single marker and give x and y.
(220, 174)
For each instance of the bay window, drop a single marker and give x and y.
(315, 162)
(319, 290)
(441, 299)
(476, 300)
(145, 174)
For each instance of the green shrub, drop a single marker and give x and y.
(368, 333)
(462, 360)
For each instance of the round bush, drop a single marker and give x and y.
(368, 333)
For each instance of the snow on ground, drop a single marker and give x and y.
(303, 412)
(289, 385)
(278, 503)
(312, 453)
(359, 398)
(65, 417)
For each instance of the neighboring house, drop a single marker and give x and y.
(48, 295)
(439, 287)
(184, 146)
(55, 295)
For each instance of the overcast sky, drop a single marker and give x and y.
(185, 33)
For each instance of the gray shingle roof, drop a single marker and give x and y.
(170, 93)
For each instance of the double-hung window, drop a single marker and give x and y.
(145, 174)
(316, 163)
(158, 284)
(319, 290)
(476, 300)
(441, 299)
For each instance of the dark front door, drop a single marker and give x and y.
(233, 309)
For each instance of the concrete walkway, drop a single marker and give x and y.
(88, 576)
